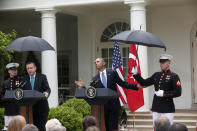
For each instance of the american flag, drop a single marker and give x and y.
(117, 66)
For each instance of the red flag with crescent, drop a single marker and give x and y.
(135, 99)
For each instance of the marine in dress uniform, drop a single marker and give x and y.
(11, 109)
(167, 86)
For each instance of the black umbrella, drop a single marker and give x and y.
(30, 43)
(139, 37)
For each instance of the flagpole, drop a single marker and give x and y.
(133, 121)
(136, 55)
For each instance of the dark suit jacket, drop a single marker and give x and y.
(112, 79)
(41, 85)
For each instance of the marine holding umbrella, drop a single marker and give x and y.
(12, 83)
(167, 86)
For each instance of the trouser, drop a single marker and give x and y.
(111, 114)
(40, 119)
(170, 116)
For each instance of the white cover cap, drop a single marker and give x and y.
(12, 66)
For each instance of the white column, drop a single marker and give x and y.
(138, 22)
(49, 58)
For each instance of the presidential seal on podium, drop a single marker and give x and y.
(18, 94)
(90, 92)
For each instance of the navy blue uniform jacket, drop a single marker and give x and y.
(167, 81)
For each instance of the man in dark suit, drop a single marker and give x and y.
(38, 82)
(108, 79)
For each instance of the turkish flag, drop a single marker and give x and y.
(135, 99)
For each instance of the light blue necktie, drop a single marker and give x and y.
(104, 80)
(32, 79)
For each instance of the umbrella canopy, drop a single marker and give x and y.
(30, 43)
(139, 37)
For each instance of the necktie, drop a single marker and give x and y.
(104, 80)
(32, 79)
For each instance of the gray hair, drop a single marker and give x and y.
(57, 128)
(100, 59)
(162, 124)
(30, 127)
(52, 123)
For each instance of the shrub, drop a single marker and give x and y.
(68, 117)
(71, 113)
(1, 118)
(5, 40)
(80, 106)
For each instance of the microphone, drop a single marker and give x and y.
(94, 82)
(22, 84)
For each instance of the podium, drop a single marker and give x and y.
(29, 98)
(97, 103)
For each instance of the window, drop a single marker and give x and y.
(113, 29)
(106, 47)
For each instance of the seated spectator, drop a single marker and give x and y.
(57, 128)
(92, 128)
(162, 123)
(178, 127)
(30, 127)
(17, 123)
(54, 125)
(88, 121)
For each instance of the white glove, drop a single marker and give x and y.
(134, 70)
(159, 93)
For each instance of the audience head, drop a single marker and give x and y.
(30, 127)
(54, 125)
(178, 127)
(57, 128)
(161, 124)
(88, 121)
(92, 128)
(17, 123)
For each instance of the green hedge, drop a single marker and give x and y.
(80, 106)
(1, 118)
(71, 113)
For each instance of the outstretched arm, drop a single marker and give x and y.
(80, 83)
(144, 82)
(125, 84)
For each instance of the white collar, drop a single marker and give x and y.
(33, 75)
(103, 71)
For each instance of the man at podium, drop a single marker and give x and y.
(11, 109)
(108, 79)
(37, 81)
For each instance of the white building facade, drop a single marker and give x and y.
(79, 31)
